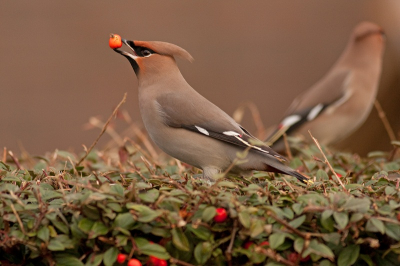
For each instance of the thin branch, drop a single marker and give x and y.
(275, 256)
(4, 155)
(103, 130)
(15, 160)
(287, 225)
(287, 147)
(255, 113)
(18, 219)
(385, 121)
(228, 252)
(327, 162)
(179, 262)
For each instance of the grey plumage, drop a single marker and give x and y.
(341, 101)
(186, 125)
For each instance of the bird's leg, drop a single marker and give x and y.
(209, 173)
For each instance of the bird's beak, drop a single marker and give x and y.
(130, 45)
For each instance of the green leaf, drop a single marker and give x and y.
(367, 259)
(55, 245)
(110, 256)
(43, 234)
(162, 232)
(348, 255)
(298, 221)
(226, 184)
(256, 228)
(342, 219)
(357, 205)
(322, 175)
(67, 260)
(375, 225)
(117, 189)
(145, 214)
(85, 225)
(179, 239)
(244, 218)
(327, 221)
(124, 220)
(298, 245)
(276, 239)
(390, 190)
(356, 217)
(393, 231)
(61, 226)
(151, 249)
(208, 213)
(200, 231)
(202, 252)
(94, 259)
(297, 208)
(319, 249)
(98, 229)
(150, 196)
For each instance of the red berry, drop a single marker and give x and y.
(121, 258)
(305, 259)
(398, 217)
(248, 244)
(154, 261)
(134, 262)
(264, 243)
(115, 41)
(221, 215)
(293, 257)
(162, 263)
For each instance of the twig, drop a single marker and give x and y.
(287, 225)
(103, 130)
(179, 262)
(327, 162)
(145, 141)
(275, 256)
(287, 147)
(18, 219)
(287, 183)
(228, 252)
(385, 121)
(15, 160)
(4, 155)
(238, 115)
(137, 146)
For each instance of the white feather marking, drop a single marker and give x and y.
(251, 146)
(202, 130)
(339, 102)
(315, 112)
(231, 133)
(290, 120)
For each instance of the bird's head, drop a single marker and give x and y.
(153, 57)
(366, 30)
(367, 35)
(367, 42)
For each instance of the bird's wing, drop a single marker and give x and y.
(203, 117)
(330, 91)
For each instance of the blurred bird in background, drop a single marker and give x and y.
(341, 101)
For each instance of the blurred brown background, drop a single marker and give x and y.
(57, 71)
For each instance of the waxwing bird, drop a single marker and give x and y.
(186, 125)
(341, 101)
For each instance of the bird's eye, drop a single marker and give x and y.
(145, 52)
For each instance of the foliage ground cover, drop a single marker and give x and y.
(54, 211)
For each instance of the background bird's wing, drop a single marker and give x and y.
(207, 119)
(330, 90)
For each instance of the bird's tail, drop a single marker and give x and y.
(278, 167)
